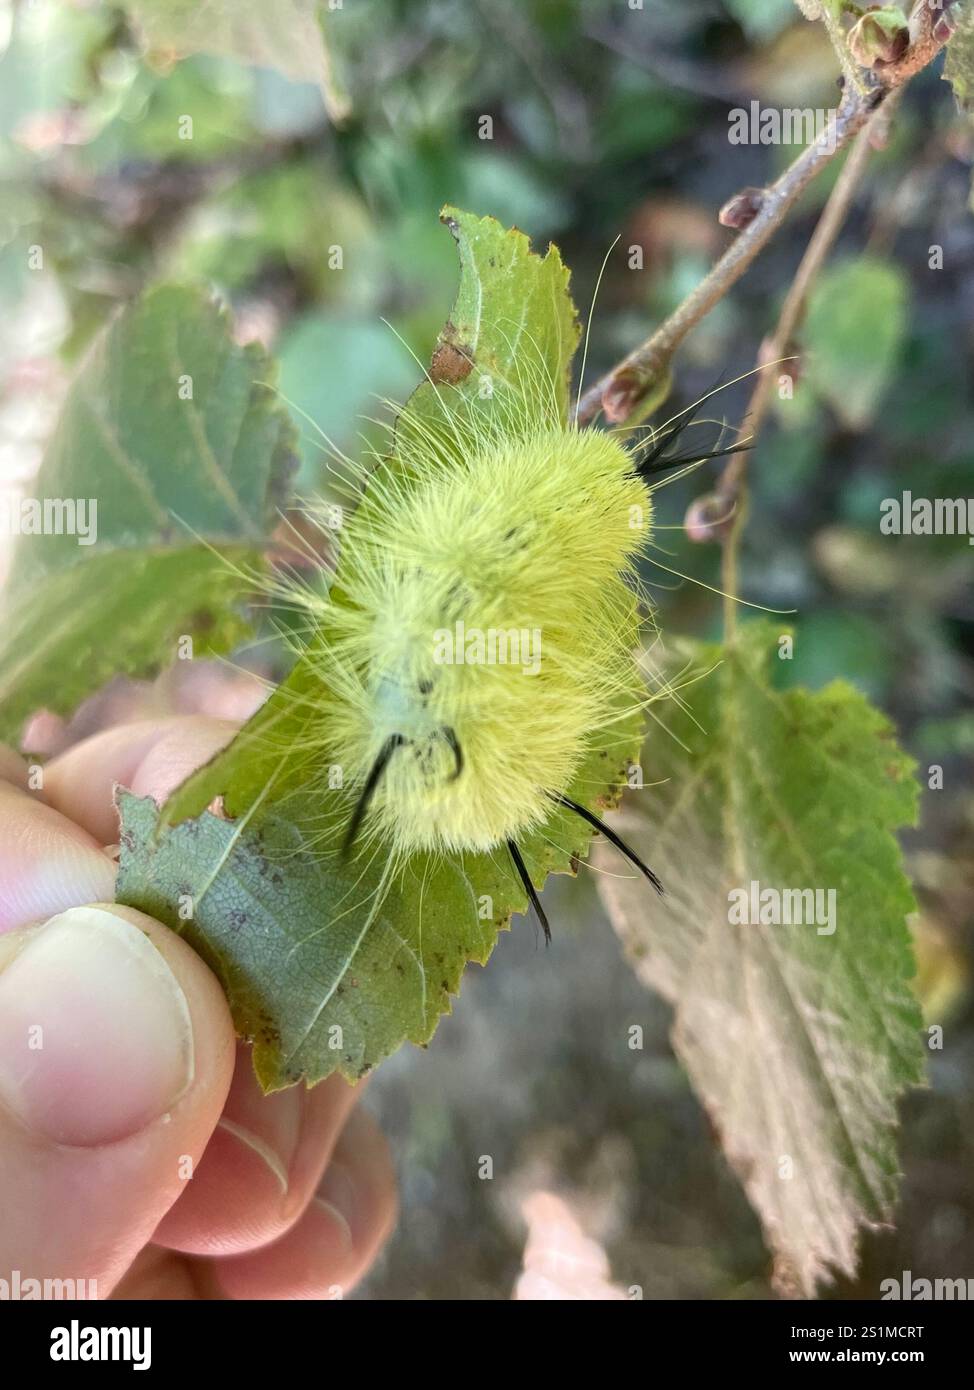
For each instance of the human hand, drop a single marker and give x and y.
(136, 1149)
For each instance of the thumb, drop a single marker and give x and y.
(116, 1053)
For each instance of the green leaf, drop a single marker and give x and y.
(853, 334)
(959, 62)
(296, 939)
(513, 331)
(797, 1041)
(285, 35)
(120, 612)
(169, 474)
(314, 985)
(315, 953)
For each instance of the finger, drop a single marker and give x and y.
(46, 863)
(188, 687)
(261, 1167)
(325, 1254)
(13, 769)
(163, 1275)
(116, 1053)
(150, 757)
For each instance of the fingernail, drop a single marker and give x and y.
(288, 1132)
(255, 1145)
(95, 1033)
(348, 1184)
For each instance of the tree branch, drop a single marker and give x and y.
(732, 488)
(619, 394)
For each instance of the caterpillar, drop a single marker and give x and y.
(494, 531)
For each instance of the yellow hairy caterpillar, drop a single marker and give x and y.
(481, 625)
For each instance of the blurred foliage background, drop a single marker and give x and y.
(606, 121)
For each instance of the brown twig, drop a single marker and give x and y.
(732, 486)
(619, 394)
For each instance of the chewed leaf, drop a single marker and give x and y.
(513, 327)
(319, 972)
(168, 444)
(304, 941)
(327, 967)
(798, 1035)
(506, 350)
